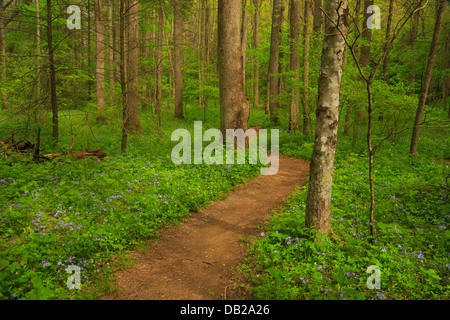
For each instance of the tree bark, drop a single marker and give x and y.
(244, 36)
(294, 64)
(205, 62)
(317, 22)
(322, 163)
(3, 99)
(112, 42)
(159, 70)
(200, 48)
(413, 40)
(89, 82)
(277, 16)
(40, 111)
(427, 77)
(132, 122)
(255, 58)
(388, 34)
(364, 57)
(446, 80)
(100, 59)
(305, 77)
(357, 25)
(178, 59)
(54, 106)
(123, 84)
(347, 118)
(234, 104)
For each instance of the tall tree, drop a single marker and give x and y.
(100, 59)
(200, 49)
(112, 48)
(427, 76)
(123, 84)
(446, 79)
(2, 57)
(159, 62)
(51, 63)
(256, 58)
(89, 82)
(357, 25)
(277, 19)
(178, 58)
(388, 35)
(132, 121)
(364, 57)
(38, 62)
(234, 104)
(322, 162)
(317, 21)
(305, 77)
(294, 63)
(244, 36)
(206, 49)
(413, 40)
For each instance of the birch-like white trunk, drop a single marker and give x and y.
(327, 116)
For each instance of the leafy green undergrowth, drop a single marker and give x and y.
(411, 246)
(90, 213)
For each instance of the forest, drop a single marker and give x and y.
(347, 100)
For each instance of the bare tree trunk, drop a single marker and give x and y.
(388, 34)
(3, 99)
(51, 62)
(317, 23)
(413, 40)
(322, 163)
(305, 77)
(427, 77)
(446, 80)
(364, 57)
(123, 84)
(133, 123)
(244, 37)
(255, 58)
(200, 48)
(167, 36)
(100, 59)
(357, 24)
(40, 111)
(82, 46)
(234, 104)
(112, 37)
(347, 118)
(117, 56)
(89, 69)
(144, 52)
(178, 58)
(294, 63)
(277, 15)
(159, 61)
(205, 62)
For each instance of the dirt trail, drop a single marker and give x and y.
(196, 260)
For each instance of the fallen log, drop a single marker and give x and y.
(21, 146)
(79, 154)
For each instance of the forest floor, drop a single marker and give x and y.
(197, 260)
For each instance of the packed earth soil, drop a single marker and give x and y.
(197, 260)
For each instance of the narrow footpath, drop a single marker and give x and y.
(197, 259)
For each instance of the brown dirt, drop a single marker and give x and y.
(196, 260)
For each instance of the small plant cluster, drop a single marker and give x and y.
(411, 244)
